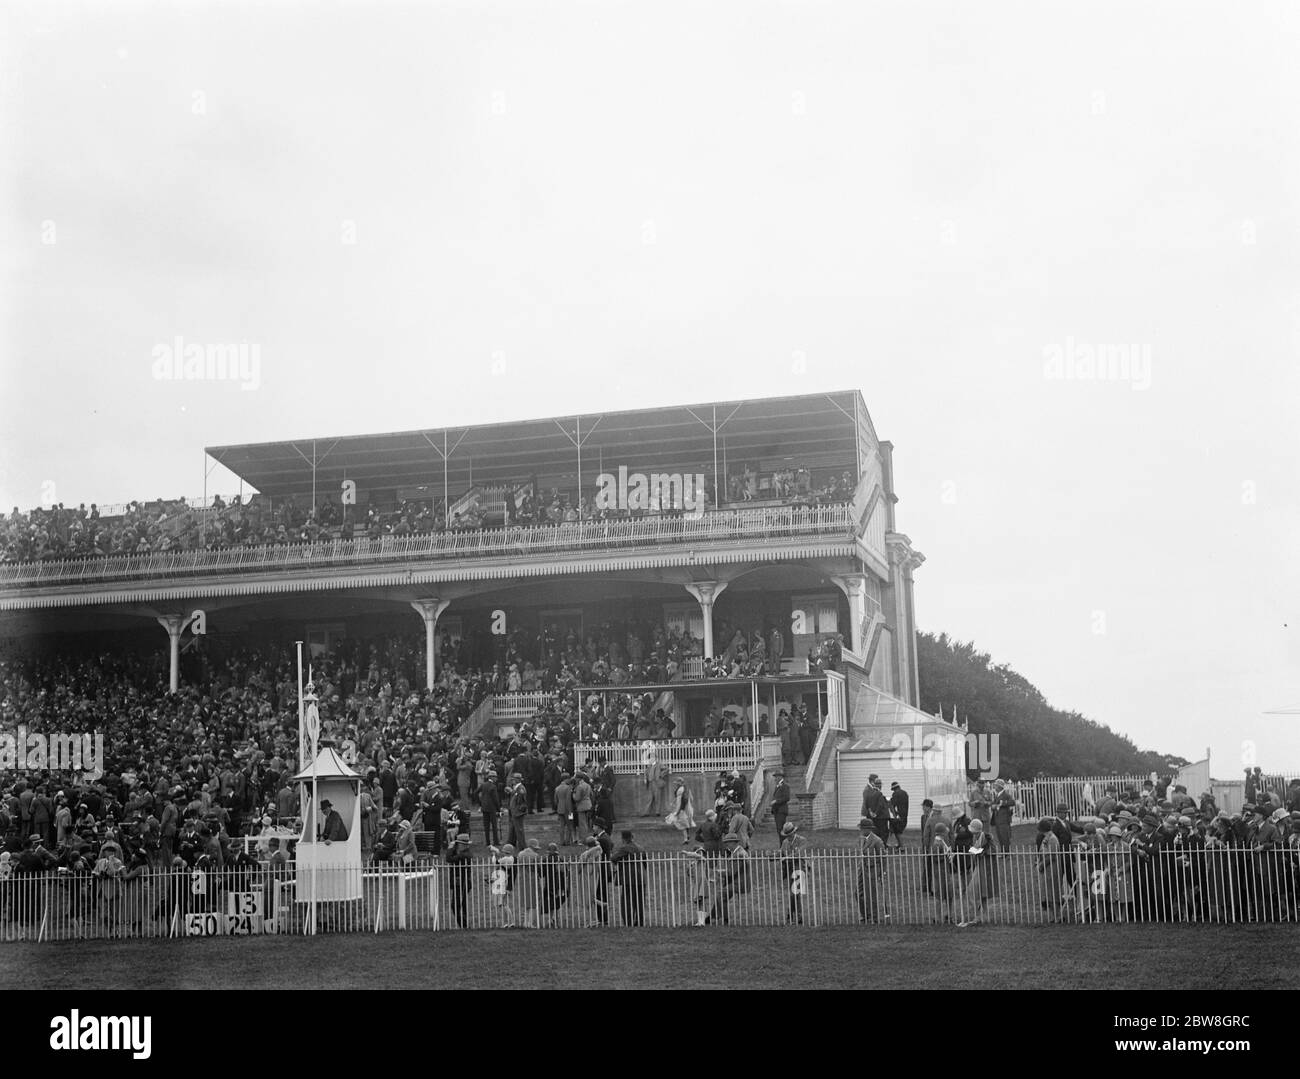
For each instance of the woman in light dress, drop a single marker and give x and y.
(682, 816)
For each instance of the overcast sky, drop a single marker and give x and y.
(944, 205)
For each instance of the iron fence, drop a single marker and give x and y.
(666, 890)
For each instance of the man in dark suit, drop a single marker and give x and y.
(43, 816)
(709, 835)
(333, 830)
(780, 802)
(899, 803)
(489, 801)
(518, 811)
(875, 805)
(629, 864)
(1065, 829)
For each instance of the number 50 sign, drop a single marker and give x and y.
(243, 918)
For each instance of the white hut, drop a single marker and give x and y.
(335, 867)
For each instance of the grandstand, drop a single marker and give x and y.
(733, 568)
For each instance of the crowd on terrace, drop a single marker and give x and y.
(64, 532)
(187, 776)
(184, 774)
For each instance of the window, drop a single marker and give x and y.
(685, 618)
(820, 614)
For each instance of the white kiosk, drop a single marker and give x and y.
(329, 872)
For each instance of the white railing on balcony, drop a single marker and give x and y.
(518, 707)
(692, 668)
(682, 754)
(759, 526)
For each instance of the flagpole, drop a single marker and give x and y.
(302, 741)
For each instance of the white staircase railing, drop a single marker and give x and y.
(834, 723)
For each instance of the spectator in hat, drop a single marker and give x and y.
(780, 803)
(1065, 830)
(682, 815)
(554, 884)
(876, 806)
(628, 861)
(489, 803)
(709, 834)
(655, 778)
(735, 880)
(945, 864)
(929, 818)
(980, 883)
(1004, 807)
(604, 870)
(899, 804)
(871, 873)
(405, 847)
(43, 816)
(582, 803)
(333, 829)
(794, 870)
(517, 812)
(562, 795)
(1049, 867)
(742, 827)
(501, 882)
(698, 877)
(460, 878)
(527, 882)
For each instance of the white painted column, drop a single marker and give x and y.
(174, 624)
(430, 610)
(705, 592)
(854, 586)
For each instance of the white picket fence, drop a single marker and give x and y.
(666, 889)
(1038, 798)
(518, 708)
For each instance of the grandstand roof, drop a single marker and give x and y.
(806, 426)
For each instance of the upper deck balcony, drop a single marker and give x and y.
(778, 531)
(777, 478)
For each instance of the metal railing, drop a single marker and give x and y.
(1038, 798)
(834, 724)
(719, 526)
(666, 889)
(682, 754)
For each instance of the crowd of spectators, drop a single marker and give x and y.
(1149, 853)
(628, 653)
(187, 774)
(788, 484)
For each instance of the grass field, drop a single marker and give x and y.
(921, 957)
